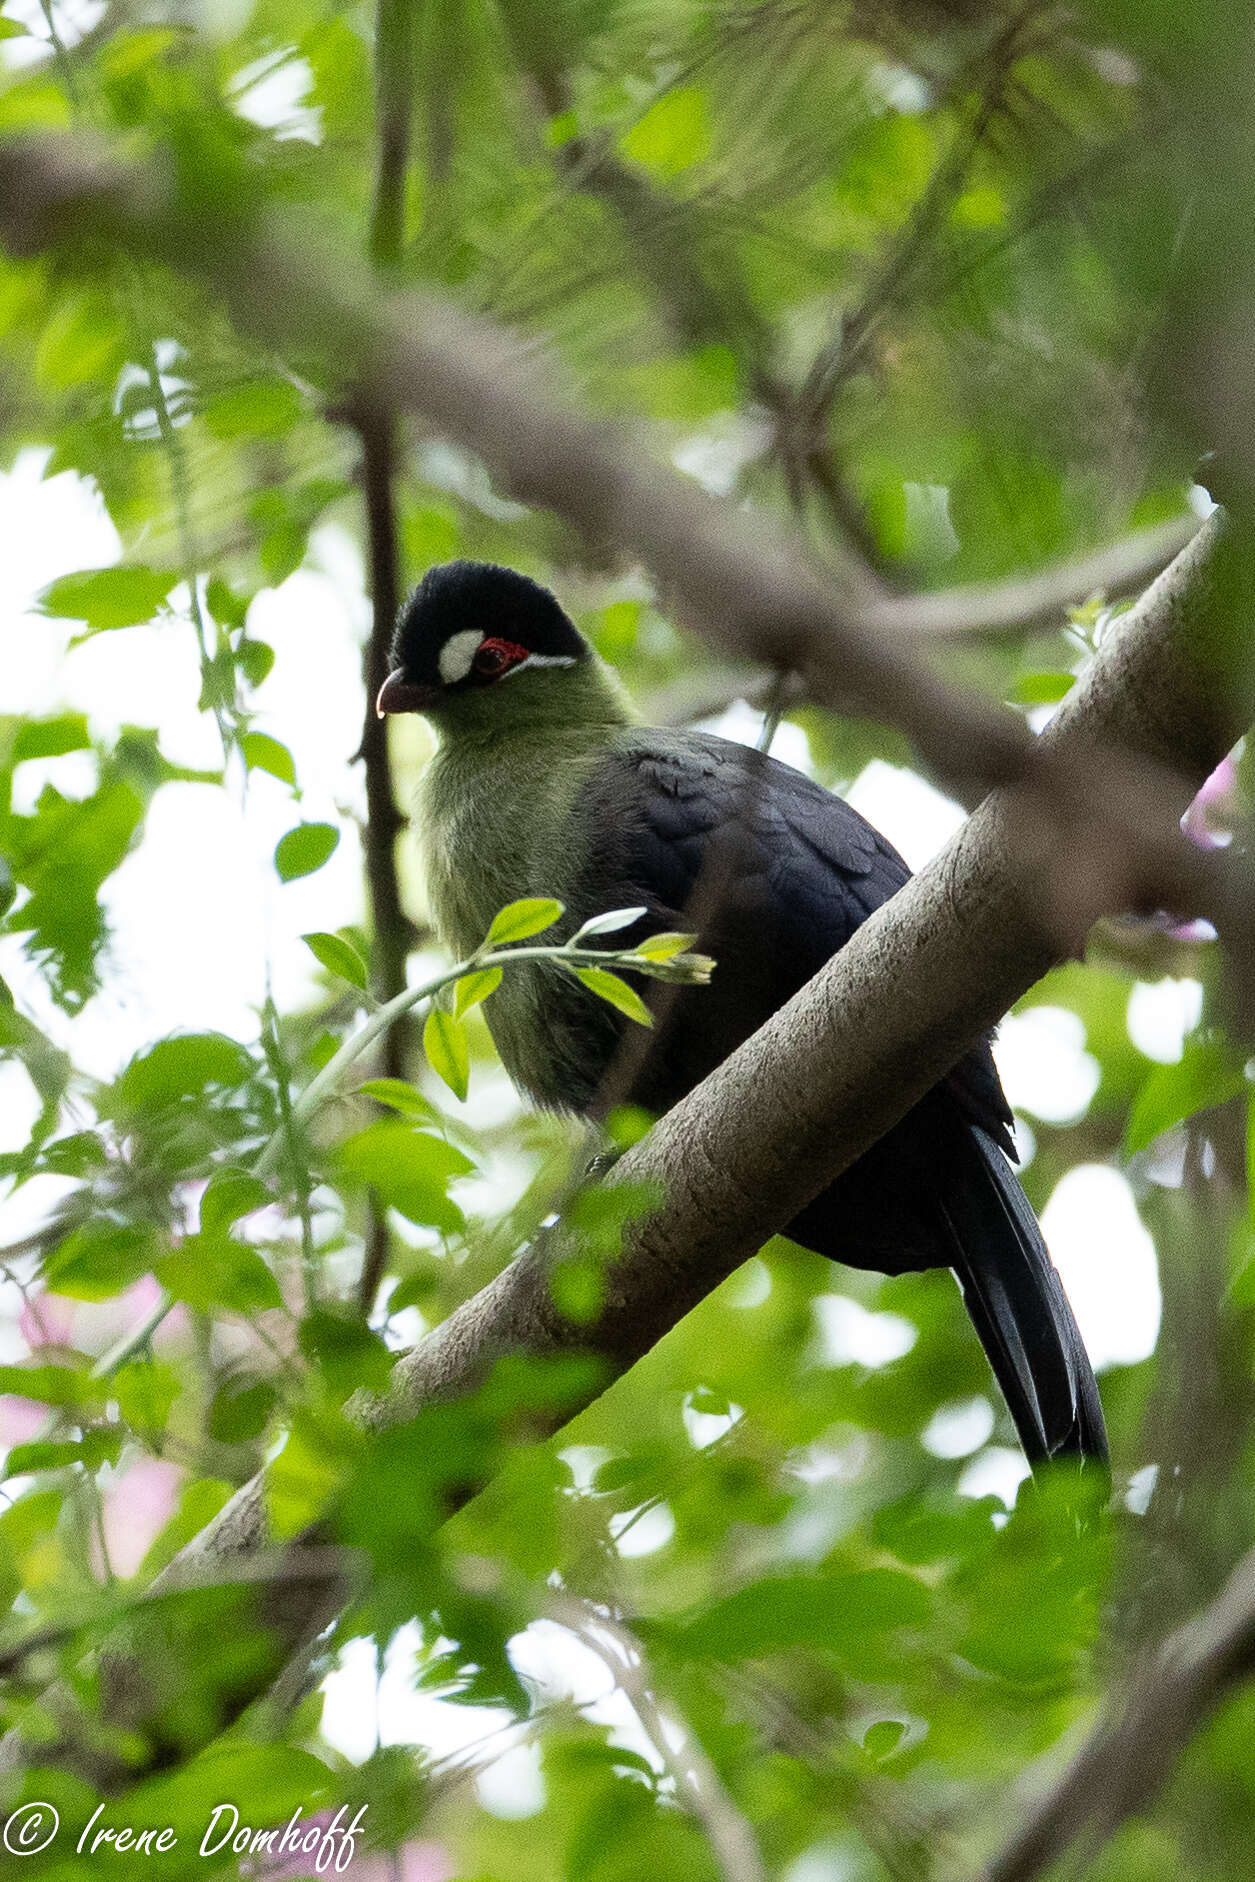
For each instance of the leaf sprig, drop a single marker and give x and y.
(666, 957)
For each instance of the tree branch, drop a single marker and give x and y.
(741, 584)
(376, 428)
(1133, 1750)
(1039, 600)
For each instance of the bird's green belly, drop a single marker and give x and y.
(490, 839)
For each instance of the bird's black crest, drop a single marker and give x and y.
(461, 596)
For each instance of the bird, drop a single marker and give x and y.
(545, 782)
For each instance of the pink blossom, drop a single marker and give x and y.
(1209, 819)
(46, 1320)
(422, 1861)
(137, 1504)
(95, 1325)
(20, 1420)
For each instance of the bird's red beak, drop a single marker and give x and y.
(397, 694)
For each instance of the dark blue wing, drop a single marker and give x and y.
(775, 873)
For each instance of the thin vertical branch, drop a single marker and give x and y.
(394, 126)
(376, 428)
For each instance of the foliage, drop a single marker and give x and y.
(863, 268)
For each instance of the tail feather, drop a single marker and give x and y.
(1021, 1313)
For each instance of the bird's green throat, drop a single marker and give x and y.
(496, 799)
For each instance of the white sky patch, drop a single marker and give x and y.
(1141, 1489)
(1161, 1014)
(959, 1429)
(72, 18)
(19, 1106)
(850, 1335)
(930, 535)
(644, 1534)
(271, 92)
(1107, 1263)
(557, 1665)
(707, 1427)
(513, 1786)
(750, 1285)
(998, 1471)
(1043, 1064)
(830, 1861)
(917, 819)
(718, 454)
(743, 724)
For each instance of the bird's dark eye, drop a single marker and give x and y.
(491, 659)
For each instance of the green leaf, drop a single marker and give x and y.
(101, 1259)
(255, 659)
(410, 1169)
(615, 992)
(182, 1068)
(145, 1389)
(1209, 1072)
(472, 988)
(25, 1459)
(673, 135)
(212, 1271)
(346, 1351)
(1042, 689)
(263, 753)
(49, 738)
(263, 408)
(241, 1409)
(399, 1095)
(50, 1385)
(228, 608)
(883, 1738)
(99, 1444)
(124, 596)
(578, 1290)
(305, 849)
(228, 1195)
(517, 920)
(444, 1042)
(664, 947)
(825, 1611)
(82, 340)
(338, 956)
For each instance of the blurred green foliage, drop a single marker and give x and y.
(902, 275)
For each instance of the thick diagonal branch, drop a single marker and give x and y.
(745, 586)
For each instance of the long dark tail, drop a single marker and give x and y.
(1019, 1309)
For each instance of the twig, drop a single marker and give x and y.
(683, 968)
(698, 1782)
(834, 363)
(995, 609)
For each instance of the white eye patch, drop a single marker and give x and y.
(457, 655)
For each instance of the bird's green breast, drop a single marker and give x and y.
(496, 824)
(498, 821)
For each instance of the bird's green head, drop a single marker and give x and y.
(478, 646)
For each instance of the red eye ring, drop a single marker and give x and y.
(493, 657)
